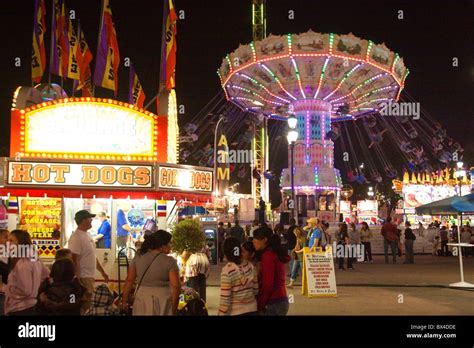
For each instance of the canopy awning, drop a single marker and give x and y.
(448, 206)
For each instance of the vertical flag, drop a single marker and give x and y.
(74, 71)
(136, 95)
(108, 57)
(60, 40)
(170, 36)
(38, 59)
(84, 57)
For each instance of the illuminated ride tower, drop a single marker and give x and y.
(321, 79)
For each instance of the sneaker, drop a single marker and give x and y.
(371, 261)
(290, 284)
(351, 268)
(365, 261)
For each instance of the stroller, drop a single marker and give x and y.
(191, 304)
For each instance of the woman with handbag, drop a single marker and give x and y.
(158, 287)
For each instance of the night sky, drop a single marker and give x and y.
(429, 36)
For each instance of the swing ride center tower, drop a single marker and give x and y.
(321, 79)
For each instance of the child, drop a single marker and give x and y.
(64, 295)
(436, 246)
(102, 302)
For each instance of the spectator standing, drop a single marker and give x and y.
(25, 277)
(354, 242)
(239, 282)
(421, 230)
(237, 232)
(465, 238)
(197, 272)
(297, 254)
(255, 225)
(314, 234)
(409, 241)
(220, 241)
(158, 285)
(4, 267)
(365, 236)
(291, 240)
(83, 251)
(272, 298)
(342, 238)
(443, 235)
(390, 239)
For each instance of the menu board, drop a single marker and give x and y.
(319, 277)
(41, 218)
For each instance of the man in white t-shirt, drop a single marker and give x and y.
(83, 247)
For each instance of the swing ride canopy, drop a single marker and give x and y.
(351, 74)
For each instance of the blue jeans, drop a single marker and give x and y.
(277, 309)
(393, 246)
(295, 269)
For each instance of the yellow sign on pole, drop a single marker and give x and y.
(319, 276)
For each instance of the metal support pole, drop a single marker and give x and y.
(292, 176)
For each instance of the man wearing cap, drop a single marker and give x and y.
(83, 251)
(315, 233)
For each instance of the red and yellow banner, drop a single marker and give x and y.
(171, 46)
(38, 59)
(84, 57)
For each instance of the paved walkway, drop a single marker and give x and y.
(384, 289)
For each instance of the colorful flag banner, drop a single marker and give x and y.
(73, 64)
(60, 57)
(136, 95)
(84, 57)
(38, 59)
(168, 58)
(108, 57)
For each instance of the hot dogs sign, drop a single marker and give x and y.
(79, 174)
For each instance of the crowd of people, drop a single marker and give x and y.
(442, 235)
(253, 280)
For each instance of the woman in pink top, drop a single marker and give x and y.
(25, 277)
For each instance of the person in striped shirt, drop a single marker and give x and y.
(239, 282)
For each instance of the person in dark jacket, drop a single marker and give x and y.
(409, 240)
(291, 240)
(272, 298)
(390, 238)
(237, 232)
(61, 294)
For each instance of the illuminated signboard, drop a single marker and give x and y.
(345, 207)
(367, 207)
(417, 195)
(89, 128)
(184, 179)
(78, 174)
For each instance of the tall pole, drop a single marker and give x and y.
(292, 176)
(214, 173)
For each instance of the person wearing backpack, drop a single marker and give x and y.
(409, 241)
(390, 239)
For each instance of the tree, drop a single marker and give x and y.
(188, 236)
